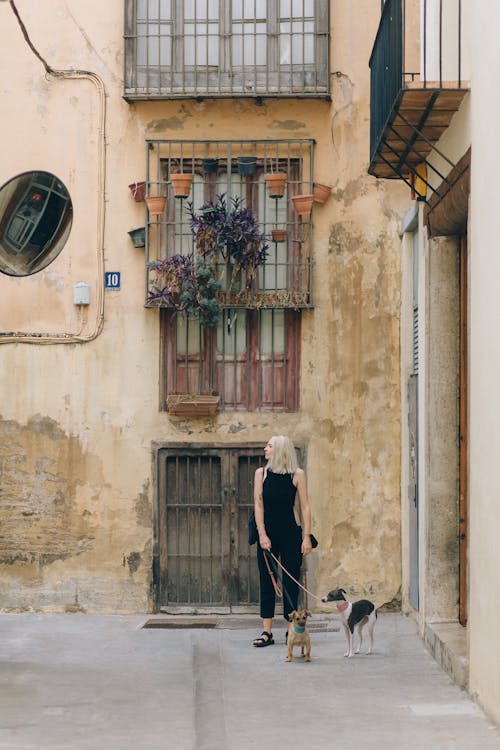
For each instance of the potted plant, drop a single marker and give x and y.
(227, 232)
(138, 236)
(275, 183)
(210, 165)
(138, 190)
(321, 192)
(186, 284)
(156, 204)
(303, 204)
(247, 165)
(156, 200)
(278, 235)
(181, 183)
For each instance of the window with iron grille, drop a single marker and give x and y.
(183, 48)
(237, 169)
(251, 359)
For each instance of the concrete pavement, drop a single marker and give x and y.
(105, 682)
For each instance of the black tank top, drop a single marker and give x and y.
(278, 493)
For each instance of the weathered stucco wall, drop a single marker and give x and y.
(78, 419)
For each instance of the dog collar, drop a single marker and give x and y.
(342, 606)
(299, 629)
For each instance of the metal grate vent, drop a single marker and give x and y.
(415, 341)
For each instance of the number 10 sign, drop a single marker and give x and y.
(112, 280)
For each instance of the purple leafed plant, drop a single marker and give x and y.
(229, 231)
(187, 285)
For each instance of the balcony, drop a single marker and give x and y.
(238, 170)
(419, 77)
(226, 49)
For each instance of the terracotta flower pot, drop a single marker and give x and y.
(303, 205)
(138, 190)
(156, 204)
(278, 235)
(276, 183)
(138, 236)
(181, 184)
(321, 192)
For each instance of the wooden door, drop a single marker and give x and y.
(413, 489)
(463, 482)
(203, 559)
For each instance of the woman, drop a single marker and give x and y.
(276, 486)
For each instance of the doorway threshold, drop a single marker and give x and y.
(447, 642)
(181, 622)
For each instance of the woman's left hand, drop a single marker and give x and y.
(306, 545)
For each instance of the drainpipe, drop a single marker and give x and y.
(71, 338)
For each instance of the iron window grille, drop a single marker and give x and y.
(285, 278)
(186, 48)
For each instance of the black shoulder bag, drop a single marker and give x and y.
(253, 534)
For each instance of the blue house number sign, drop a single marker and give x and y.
(112, 280)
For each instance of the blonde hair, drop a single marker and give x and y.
(283, 459)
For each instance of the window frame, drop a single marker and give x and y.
(253, 372)
(176, 79)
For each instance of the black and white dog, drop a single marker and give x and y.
(354, 615)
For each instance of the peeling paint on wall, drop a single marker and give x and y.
(286, 125)
(40, 469)
(76, 482)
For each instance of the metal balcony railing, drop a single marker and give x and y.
(226, 48)
(419, 76)
(386, 66)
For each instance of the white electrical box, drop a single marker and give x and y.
(81, 293)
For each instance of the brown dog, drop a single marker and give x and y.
(297, 634)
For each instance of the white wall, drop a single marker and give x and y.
(484, 432)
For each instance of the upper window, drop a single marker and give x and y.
(183, 48)
(35, 222)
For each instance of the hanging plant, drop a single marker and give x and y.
(187, 285)
(228, 230)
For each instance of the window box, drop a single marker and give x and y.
(192, 405)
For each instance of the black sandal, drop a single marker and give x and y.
(265, 639)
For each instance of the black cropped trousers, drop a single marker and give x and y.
(286, 546)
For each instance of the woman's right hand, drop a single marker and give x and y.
(264, 541)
